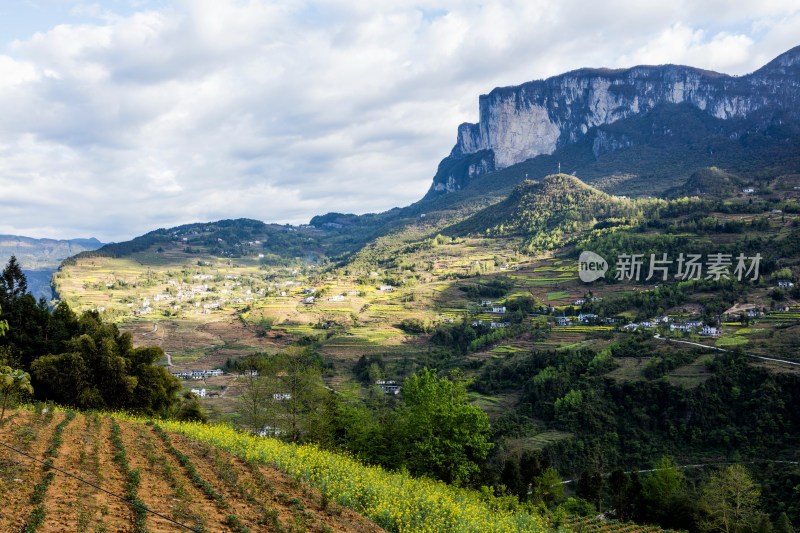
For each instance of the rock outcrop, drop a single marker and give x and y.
(538, 117)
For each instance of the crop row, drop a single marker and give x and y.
(194, 475)
(201, 483)
(395, 501)
(132, 479)
(37, 499)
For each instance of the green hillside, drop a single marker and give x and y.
(549, 211)
(708, 182)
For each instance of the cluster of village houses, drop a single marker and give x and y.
(685, 326)
(198, 374)
(199, 297)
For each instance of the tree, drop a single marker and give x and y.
(784, 525)
(730, 501)
(662, 485)
(512, 479)
(13, 382)
(257, 391)
(619, 486)
(286, 392)
(100, 369)
(443, 434)
(189, 409)
(590, 487)
(300, 391)
(547, 487)
(13, 284)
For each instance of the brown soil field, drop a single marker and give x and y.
(247, 496)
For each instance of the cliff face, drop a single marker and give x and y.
(518, 123)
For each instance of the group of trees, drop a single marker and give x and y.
(741, 414)
(728, 500)
(80, 361)
(432, 430)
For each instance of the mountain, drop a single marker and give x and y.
(37, 254)
(709, 182)
(541, 117)
(559, 203)
(39, 258)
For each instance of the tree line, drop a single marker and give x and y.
(80, 361)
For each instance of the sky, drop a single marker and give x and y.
(118, 117)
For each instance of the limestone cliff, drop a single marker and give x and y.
(538, 117)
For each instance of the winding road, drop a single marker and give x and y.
(754, 356)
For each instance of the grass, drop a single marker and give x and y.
(731, 341)
(557, 295)
(507, 349)
(538, 441)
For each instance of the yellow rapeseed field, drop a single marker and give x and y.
(395, 501)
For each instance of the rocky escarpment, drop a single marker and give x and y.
(538, 117)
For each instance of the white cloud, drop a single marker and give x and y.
(136, 115)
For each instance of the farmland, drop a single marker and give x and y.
(99, 472)
(184, 481)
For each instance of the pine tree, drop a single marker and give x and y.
(784, 525)
(13, 284)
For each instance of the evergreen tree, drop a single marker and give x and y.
(784, 525)
(590, 486)
(13, 284)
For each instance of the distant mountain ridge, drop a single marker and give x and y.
(37, 254)
(39, 258)
(536, 118)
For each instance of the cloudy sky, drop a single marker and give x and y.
(121, 116)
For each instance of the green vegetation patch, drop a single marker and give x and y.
(539, 441)
(729, 341)
(557, 295)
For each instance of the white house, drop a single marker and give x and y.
(199, 392)
(587, 317)
(388, 387)
(281, 396)
(386, 288)
(709, 331)
(499, 309)
(785, 284)
(308, 300)
(563, 321)
(749, 190)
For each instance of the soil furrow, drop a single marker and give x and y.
(28, 432)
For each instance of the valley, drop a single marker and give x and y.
(607, 348)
